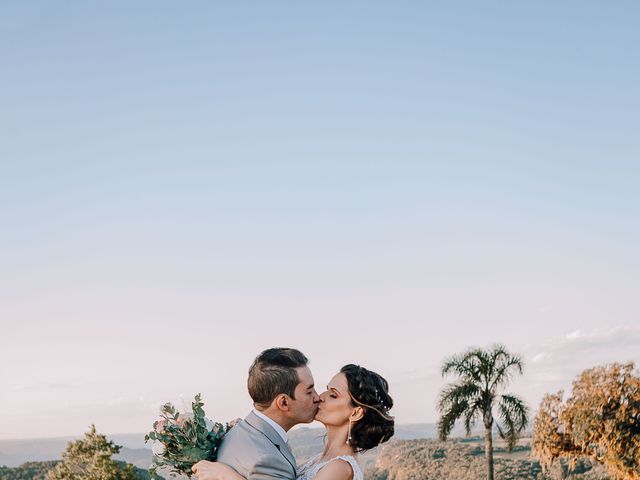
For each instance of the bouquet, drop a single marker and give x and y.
(182, 439)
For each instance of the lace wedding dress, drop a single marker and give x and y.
(313, 466)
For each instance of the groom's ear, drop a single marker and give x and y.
(282, 402)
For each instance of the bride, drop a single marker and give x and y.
(355, 412)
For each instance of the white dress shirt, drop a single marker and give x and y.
(275, 426)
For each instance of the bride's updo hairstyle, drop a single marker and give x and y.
(371, 392)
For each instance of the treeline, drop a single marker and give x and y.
(27, 471)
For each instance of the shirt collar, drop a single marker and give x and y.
(275, 425)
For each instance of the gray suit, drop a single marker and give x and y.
(255, 450)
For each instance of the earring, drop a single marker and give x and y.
(349, 434)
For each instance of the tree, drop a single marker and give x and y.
(90, 459)
(600, 420)
(481, 374)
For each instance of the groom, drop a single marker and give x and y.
(281, 386)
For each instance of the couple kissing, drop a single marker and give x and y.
(354, 411)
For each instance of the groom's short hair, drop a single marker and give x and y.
(272, 373)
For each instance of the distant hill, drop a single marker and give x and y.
(14, 453)
(413, 431)
(305, 442)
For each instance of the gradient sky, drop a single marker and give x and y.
(387, 183)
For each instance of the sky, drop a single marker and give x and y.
(183, 185)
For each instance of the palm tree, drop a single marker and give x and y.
(480, 375)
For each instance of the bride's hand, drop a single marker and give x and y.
(204, 470)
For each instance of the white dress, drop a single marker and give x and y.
(313, 466)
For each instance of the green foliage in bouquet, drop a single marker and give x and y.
(183, 439)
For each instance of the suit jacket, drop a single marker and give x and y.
(257, 452)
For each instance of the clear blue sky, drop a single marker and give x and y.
(378, 182)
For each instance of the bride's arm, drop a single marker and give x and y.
(336, 470)
(204, 470)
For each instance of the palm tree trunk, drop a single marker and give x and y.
(488, 451)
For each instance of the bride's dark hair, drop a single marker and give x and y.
(371, 392)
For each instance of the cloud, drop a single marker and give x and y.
(578, 347)
(613, 337)
(554, 364)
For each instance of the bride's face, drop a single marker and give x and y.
(335, 406)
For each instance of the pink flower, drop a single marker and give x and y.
(159, 425)
(234, 422)
(183, 418)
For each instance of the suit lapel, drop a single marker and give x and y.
(273, 436)
(288, 454)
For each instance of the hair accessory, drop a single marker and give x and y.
(383, 415)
